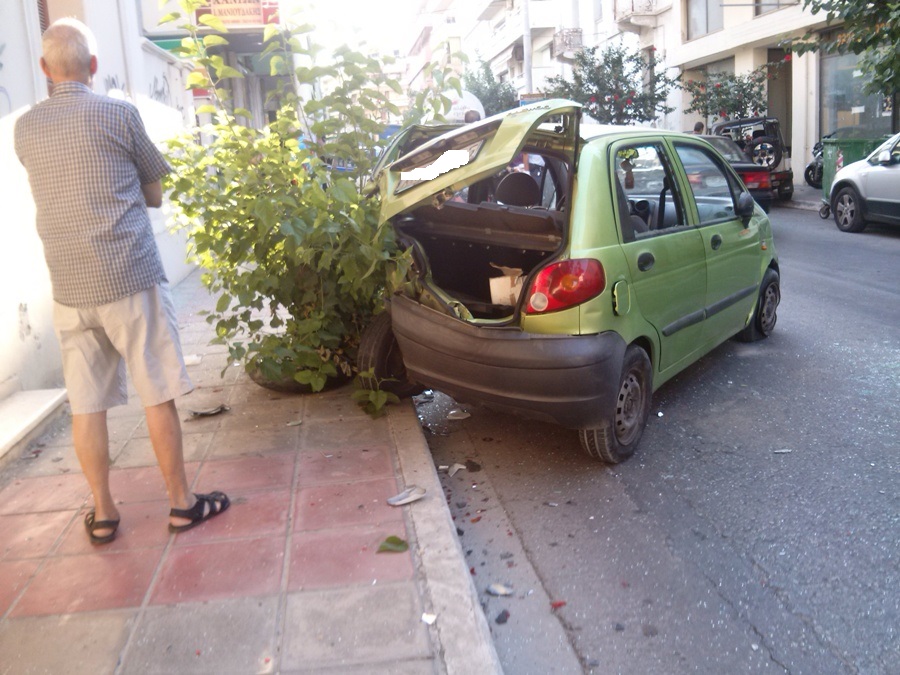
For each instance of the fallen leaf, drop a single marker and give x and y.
(393, 545)
(556, 604)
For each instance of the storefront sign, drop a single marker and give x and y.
(238, 12)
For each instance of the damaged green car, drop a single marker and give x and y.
(564, 272)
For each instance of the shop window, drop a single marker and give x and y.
(845, 108)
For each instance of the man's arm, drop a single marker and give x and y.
(152, 194)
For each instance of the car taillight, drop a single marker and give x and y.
(757, 179)
(565, 284)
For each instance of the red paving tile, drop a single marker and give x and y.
(360, 503)
(341, 466)
(31, 535)
(143, 525)
(346, 556)
(247, 473)
(251, 514)
(85, 583)
(142, 484)
(44, 493)
(15, 575)
(234, 442)
(221, 570)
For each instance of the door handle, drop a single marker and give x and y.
(715, 242)
(645, 261)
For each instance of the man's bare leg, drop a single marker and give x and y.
(165, 435)
(91, 439)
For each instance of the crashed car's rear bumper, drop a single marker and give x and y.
(569, 380)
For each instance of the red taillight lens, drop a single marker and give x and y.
(757, 179)
(565, 284)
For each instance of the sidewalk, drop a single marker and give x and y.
(287, 581)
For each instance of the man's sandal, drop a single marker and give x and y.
(217, 501)
(92, 525)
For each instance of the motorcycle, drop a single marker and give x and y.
(813, 172)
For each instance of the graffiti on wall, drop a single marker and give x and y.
(114, 82)
(159, 90)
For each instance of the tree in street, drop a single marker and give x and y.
(868, 29)
(494, 96)
(617, 85)
(724, 96)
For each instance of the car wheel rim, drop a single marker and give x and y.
(845, 210)
(767, 315)
(628, 409)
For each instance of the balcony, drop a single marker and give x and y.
(634, 15)
(566, 42)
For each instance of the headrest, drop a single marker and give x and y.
(518, 189)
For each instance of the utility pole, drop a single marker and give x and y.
(526, 48)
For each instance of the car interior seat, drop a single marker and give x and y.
(518, 189)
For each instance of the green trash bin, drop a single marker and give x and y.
(838, 153)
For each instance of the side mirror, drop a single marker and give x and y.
(884, 157)
(745, 206)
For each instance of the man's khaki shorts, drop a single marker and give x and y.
(140, 331)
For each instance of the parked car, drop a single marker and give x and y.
(756, 178)
(570, 298)
(868, 191)
(760, 138)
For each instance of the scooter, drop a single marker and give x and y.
(813, 172)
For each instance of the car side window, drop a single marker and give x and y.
(648, 202)
(715, 190)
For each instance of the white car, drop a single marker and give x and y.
(868, 191)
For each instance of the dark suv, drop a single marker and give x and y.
(761, 139)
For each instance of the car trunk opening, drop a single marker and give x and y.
(484, 206)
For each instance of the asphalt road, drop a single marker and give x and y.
(758, 527)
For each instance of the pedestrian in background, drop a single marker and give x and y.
(93, 172)
(698, 128)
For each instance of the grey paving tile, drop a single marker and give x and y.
(318, 434)
(139, 451)
(88, 643)
(228, 636)
(338, 628)
(417, 667)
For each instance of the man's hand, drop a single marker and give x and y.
(152, 194)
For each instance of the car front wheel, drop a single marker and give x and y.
(848, 211)
(618, 438)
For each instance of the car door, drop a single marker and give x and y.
(731, 245)
(883, 184)
(665, 256)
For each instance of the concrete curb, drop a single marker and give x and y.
(461, 628)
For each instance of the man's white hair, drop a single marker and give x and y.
(68, 46)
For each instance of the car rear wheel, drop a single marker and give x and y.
(766, 315)
(380, 354)
(848, 211)
(618, 438)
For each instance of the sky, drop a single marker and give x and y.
(387, 26)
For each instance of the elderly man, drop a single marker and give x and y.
(93, 173)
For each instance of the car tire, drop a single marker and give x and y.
(765, 315)
(765, 151)
(616, 440)
(380, 353)
(847, 210)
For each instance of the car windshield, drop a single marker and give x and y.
(727, 148)
(888, 146)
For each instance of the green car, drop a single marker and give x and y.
(563, 272)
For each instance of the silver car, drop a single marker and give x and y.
(868, 191)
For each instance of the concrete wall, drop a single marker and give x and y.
(128, 66)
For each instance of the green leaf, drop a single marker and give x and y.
(223, 302)
(171, 16)
(206, 108)
(225, 72)
(270, 31)
(214, 41)
(393, 544)
(197, 80)
(213, 22)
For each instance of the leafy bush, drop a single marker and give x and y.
(277, 216)
(726, 96)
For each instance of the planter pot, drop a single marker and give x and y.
(288, 385)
